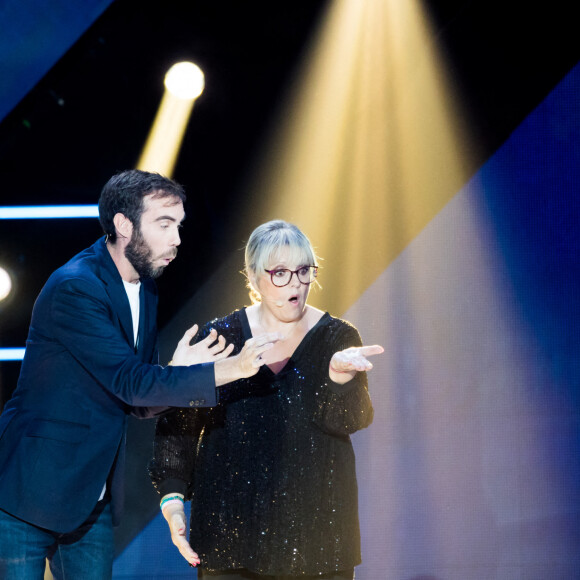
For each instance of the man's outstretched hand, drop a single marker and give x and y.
(205, 350)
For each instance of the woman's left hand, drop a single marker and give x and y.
(350, 360)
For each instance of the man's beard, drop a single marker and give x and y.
(139, 255)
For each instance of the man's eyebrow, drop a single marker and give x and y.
(165, 217)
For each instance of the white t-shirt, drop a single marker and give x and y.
(133, 291)
(133, 295)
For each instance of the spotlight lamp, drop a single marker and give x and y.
(185, 80)
(5, 284)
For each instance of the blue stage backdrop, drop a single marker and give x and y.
(35, 34)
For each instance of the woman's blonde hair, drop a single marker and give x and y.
(265, 245)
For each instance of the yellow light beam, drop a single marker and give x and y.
(184, 82)
(370, 146)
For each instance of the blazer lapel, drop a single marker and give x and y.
(119, 300)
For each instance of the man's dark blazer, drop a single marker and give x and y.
(62, 434)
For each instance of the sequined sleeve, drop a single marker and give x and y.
(342, 409)
(176, 437)
(174, 447)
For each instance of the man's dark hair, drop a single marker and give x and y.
(124, 193)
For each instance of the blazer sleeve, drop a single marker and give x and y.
(86, 327)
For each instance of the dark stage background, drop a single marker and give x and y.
(470, 470)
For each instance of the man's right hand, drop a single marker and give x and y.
(187, 354)
(248, 362)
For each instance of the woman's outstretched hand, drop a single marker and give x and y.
(346, 363)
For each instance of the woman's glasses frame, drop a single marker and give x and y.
(283, 276)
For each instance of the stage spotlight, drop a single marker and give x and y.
(5, 284)
(184, 82)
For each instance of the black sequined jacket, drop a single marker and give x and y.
(270, 470)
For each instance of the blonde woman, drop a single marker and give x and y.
(270, 470)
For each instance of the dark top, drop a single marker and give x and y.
(270, 470)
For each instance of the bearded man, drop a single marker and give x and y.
(91, 360)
